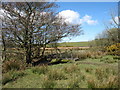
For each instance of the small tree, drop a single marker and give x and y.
(111, 35)
(107, 37)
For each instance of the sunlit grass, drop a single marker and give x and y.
(70, 75)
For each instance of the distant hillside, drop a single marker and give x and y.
(74, 44)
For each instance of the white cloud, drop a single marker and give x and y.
(116, 20)
(70, 16)
(73, 17)
(88, 20)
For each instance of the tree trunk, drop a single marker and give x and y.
(119, 35)
(28, 48)
(28, 55)
(44, 46)
(4, 48)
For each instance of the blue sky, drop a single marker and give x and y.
(96, 13)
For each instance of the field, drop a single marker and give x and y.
(99, 72)
(71, 67)
(73, 44)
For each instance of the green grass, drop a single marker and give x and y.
(12, 76)
(103, 59)
(73, 44)
(90, 73)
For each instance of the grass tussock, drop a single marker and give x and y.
(55, 74)
(104, 79)
(89, 70)
(12, 76)
(70, 75)
(71, 68)
(75, 83)
(47, 83)
(13, 65)
(112, 82)
(40, 69)
(100, 73)
(92, 83)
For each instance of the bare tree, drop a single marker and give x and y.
(111, 35)
(115, 22)
(28, 24)
(19, 22)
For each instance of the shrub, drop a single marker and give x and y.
(114, 49)
(96, 54)
(82, 55)
(13, 65)
(40, 69)
(75, 54)
(88, 54)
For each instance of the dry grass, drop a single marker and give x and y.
(13, 65)
(71, 69)
(112, 82)
(11, 76)
(56, 74)
(47, 83)
(40, 69)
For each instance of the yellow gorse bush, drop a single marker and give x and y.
(114, 49)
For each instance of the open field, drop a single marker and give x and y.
(88, 73)
(72, 67)
(74, 44)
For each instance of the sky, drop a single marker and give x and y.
(91, 16)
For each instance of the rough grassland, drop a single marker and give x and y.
(89, 73)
